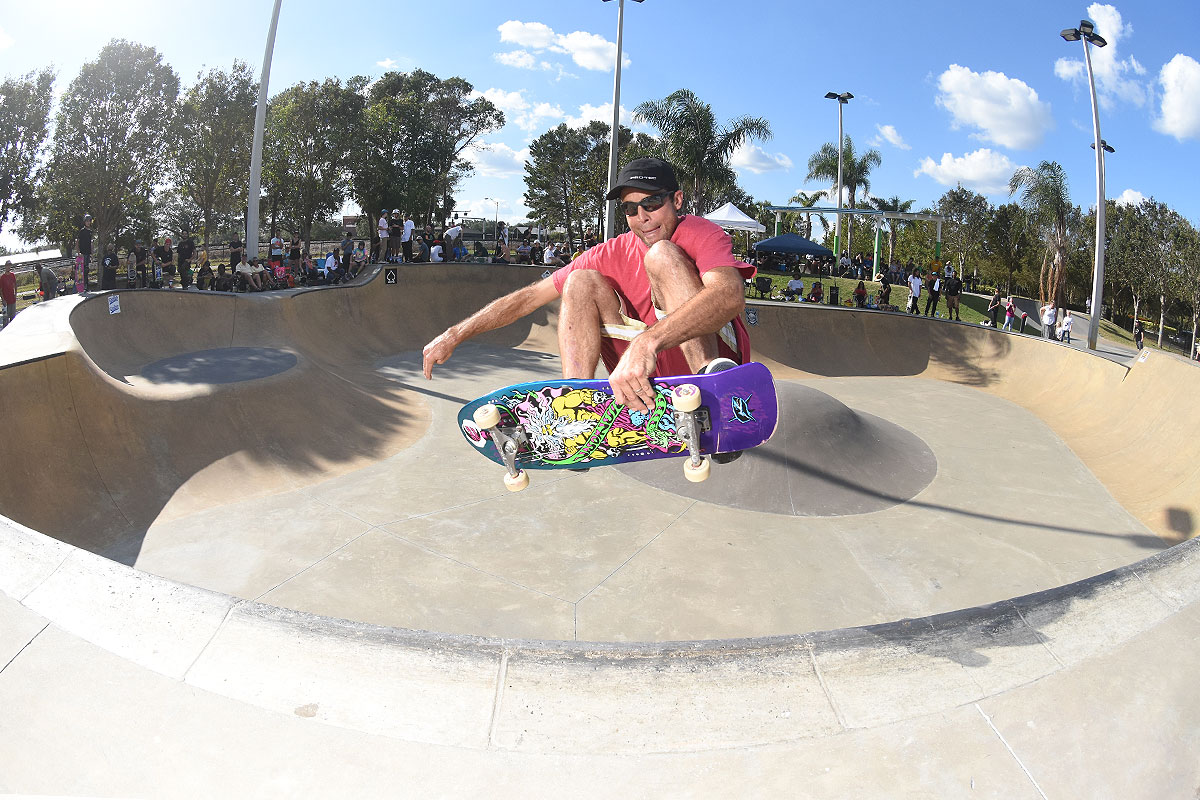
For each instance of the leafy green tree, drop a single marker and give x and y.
(309, 135)
(697, 145)
(967, 214)
(856, 173)
(1126, 265)
(808, 200)
(1189, 289)
(1007, 246)
(110, 144)
(1164, 251)
(1046, 197)
(556, 176)
(895, 205)
(24, 116)
(212, 132)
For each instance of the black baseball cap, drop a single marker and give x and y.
(645, 175)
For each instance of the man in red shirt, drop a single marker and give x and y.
(8, 294)
(664, 298)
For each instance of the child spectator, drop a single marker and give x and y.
(817, 294)
(358, 259)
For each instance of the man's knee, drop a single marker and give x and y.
(666, 257)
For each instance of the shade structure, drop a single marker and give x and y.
(732, 218)
(792, 243)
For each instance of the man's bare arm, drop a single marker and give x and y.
(497, 314)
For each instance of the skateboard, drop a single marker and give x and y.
(80, 275)
(578, 424)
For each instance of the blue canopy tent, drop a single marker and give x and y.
(793, 244)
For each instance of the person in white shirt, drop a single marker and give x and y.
(1064, 327)
(435, 254)
(844, 263)
(795, 289)
(1049, 315)
(331, 267)
(552, 259)
(406, 238)
(383, 236)
(914, 287)
(253, 281)
(450, 242)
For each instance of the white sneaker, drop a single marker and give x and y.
(718, 365)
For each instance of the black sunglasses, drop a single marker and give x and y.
(652, 203)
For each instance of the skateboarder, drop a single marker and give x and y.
(665, 298)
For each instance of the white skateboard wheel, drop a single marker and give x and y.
(697, 473)
(515, 483)
(687, 397)
(487, 417)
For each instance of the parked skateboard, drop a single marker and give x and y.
(577, 424)
(80, 274)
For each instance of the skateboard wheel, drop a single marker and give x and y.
(515, 483)
(487, 417)
(697, 473)
(687, 397)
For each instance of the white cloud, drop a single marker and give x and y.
(498, 160)
(387, 63)
(1006, 110)
(519, 111)
(6, 41)
(891, 135)
(1116, 79)
(601, 113)
(521, 59)
(1180, 111)
(1129, 197)
(588, 50)
(755, 159)
(984, 171)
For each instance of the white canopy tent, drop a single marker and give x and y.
(732, 218)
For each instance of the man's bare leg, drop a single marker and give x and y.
(588, 302)
(674, 280)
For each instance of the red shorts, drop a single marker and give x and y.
(731, 343)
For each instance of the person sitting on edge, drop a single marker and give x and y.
(247, 273)
(795, 289)
(817, 294)
(435, 253)
(224, 281)
(523, 253)
(664, 298)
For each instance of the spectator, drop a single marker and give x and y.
(293, 260)
(186, 249)
(994, 307)
(383, 230)
(1010, 314)
(523, 252)
(8, 295)
(358, 258)
(953, 288)
(204, 273)
(914, 288)
(885, 289)
(435, 253)
(406, 237)
(1064, 327)
(794, 289)
(395, 232)
(536, 253)
(48, 283)
(860, 295)
(552, 258)
(589, 239)
(141, 261)
(223, 282)
(276, 250)
(452, 239)
(422, 255)
(235, 253)
(1137, 334)
(83, 244)
(333, 273)
(817, 293)
(108, 267)
(164, 260)
(1049, 315)
(247, 274)
(933, 285)
(347, 252)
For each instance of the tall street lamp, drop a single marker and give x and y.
(1086, 32)
(610, 212)
(260, 122)
(842, 99)
(496, 230)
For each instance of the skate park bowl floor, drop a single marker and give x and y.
(260, 498)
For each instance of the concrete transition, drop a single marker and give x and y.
(245, 551)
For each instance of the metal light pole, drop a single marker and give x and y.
(610, 206)
(496, 229)
(842, 99)
(1086, 32)
(260, 123)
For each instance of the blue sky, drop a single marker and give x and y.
(946, 91)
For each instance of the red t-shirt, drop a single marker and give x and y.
(621, 261)
(8, 288)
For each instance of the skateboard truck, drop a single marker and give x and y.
(488, 419)
(687, 405)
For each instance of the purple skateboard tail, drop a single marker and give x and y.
(578, 423)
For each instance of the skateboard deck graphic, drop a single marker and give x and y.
(577, 423)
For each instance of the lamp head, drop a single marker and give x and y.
(1086, 27)
(1070, 34)
(841, 98)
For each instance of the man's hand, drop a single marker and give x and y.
(438, 352)
(630, 380)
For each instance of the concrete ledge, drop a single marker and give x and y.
(534, 696)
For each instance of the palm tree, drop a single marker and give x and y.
(808, 200)
(1044, 194)
(695, 144)
(895, 204)
(823, 165)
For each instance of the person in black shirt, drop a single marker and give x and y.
(952, 287)
(294, 253)
(164, 258)
(140, 257)
(108, 267)
(84, 246)
(235, 253)
(186, 249)
(885, 289)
